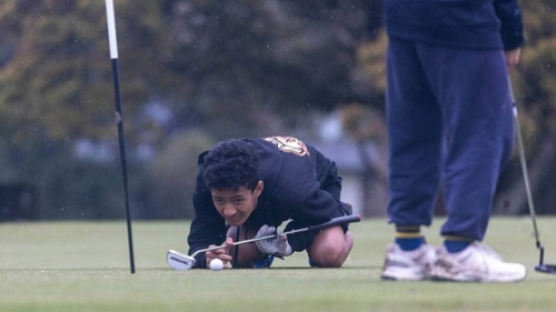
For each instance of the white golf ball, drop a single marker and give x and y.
(216, 264)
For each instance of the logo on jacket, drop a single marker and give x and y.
(288, 144)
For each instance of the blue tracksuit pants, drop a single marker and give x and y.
(449, 119)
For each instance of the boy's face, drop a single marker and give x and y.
(235, 206)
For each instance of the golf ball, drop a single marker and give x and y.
(216, 264)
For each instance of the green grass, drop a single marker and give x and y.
(84, 266)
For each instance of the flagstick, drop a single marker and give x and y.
(113, 41)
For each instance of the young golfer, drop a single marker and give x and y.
(248, 187)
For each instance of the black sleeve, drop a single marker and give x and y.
(327, 174)
(319, 207)
(207, 227)
(314, 192)
(512, 25)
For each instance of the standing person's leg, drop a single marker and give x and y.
(473, 90)
(415, 138)
(414, 135)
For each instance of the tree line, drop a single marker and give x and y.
(197, 71)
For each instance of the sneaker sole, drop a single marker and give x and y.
(443, 278)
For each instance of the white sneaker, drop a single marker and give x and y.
(414, 265)
(476, 263)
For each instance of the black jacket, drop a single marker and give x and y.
(475, 24)
(305, 189)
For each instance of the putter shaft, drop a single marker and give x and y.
(332, 222)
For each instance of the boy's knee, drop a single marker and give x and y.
(331, 250)
(329, 258)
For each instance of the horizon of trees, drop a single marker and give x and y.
(197, 71)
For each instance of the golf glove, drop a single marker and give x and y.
(277, 246)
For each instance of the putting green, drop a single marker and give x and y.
(84, 266)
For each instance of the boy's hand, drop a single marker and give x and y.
(278, 246)
(223, 253)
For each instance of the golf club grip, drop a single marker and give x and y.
(335, 221)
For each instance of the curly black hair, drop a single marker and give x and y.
(231, 164)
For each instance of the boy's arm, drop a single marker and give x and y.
(320, 207)
(318, 190)
(207, 227)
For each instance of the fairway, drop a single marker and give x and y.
(84, 266)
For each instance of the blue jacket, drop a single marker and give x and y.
(474, 24)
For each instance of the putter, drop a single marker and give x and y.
(180, 261)
(541, 267)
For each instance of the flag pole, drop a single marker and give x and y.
(113, 42)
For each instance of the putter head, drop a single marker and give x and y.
(179, 261)
(546, 268)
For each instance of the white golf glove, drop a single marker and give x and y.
(277, 246)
